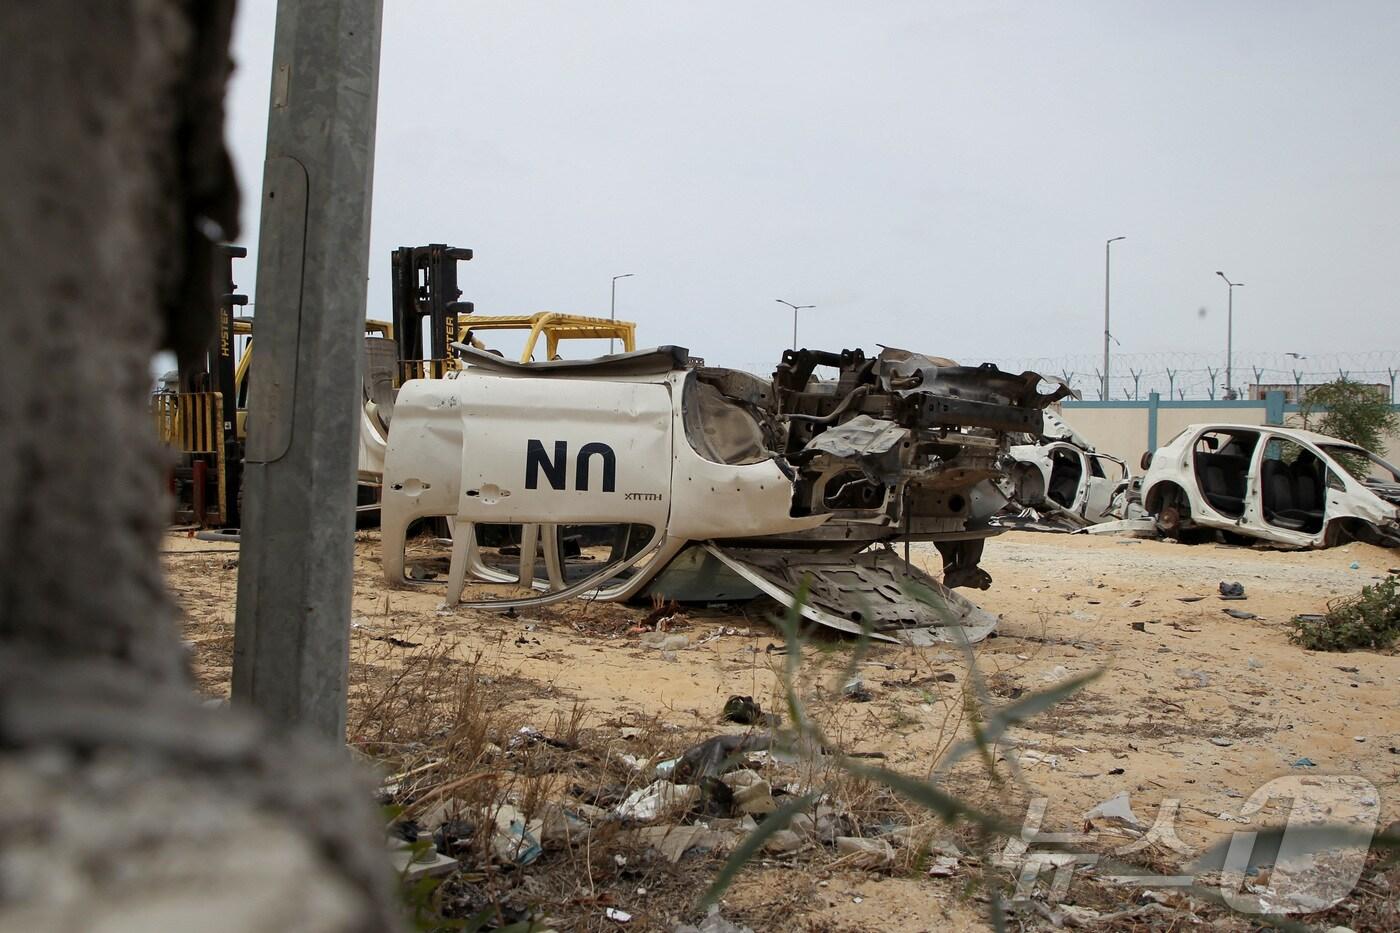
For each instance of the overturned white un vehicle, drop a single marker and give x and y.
(637, 475)
(1285, 486)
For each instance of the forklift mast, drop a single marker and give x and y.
(425, 289)
(214, 475)
(214, 371)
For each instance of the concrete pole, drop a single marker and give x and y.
(292, 635)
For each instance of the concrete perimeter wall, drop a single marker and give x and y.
(1127, 429)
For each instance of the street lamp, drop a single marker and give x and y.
(1106, 254)
(1229, 332)
(795, 309)
(612, 308)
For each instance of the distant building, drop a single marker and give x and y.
(1293, 392)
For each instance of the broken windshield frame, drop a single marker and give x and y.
(1355, 460)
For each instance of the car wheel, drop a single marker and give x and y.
(1174, 517)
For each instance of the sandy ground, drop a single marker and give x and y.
(1195, 706)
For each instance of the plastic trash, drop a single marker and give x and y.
(515, 841)
(652, 801)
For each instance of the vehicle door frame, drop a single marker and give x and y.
(1108, 484)
(1332, 504)
(1203, 512)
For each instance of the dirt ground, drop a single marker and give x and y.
(1192, 705)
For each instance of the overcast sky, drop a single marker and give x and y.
(935, 175)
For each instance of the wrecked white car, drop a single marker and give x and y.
(639, 475)
(1273, 484)
(1060, 483)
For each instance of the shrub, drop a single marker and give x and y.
(1351, 411)
(1370, 619)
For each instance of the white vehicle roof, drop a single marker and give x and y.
(1312, 437)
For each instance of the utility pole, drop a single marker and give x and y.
(795, 309)
(612, 312)
(292, 635)
(1229, 334)
(1107, 254)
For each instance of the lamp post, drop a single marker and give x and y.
(1107, 253)
(1229, 332)
(795, 309)
(612, 307)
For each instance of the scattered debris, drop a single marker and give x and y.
(1029, 756)
(673, 842)
(1305, 763)
(784, 841)
(1056, 673)
(855, 691)
(1239, 614)
(1130, 527)
(718, 755)
(1138, 626)
(752, 794)
(617, 916)
(713, 923)
(515, 841)
(943, 866)
(570, 825)
(453, 836)
(1231, 590)
(529, 735)
(662, 641)
(1116, 811)
(657, 799)
(743, 710)
(865, 853)
(1201, 678)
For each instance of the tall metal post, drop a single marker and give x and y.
(1229, 342)
(292, 635)
(795, 309)
(1107, 252)
(1229, 333)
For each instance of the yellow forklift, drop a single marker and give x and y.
(202, 413)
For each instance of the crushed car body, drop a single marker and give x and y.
(640, 474)
(1061, 483)
(1281, 485)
